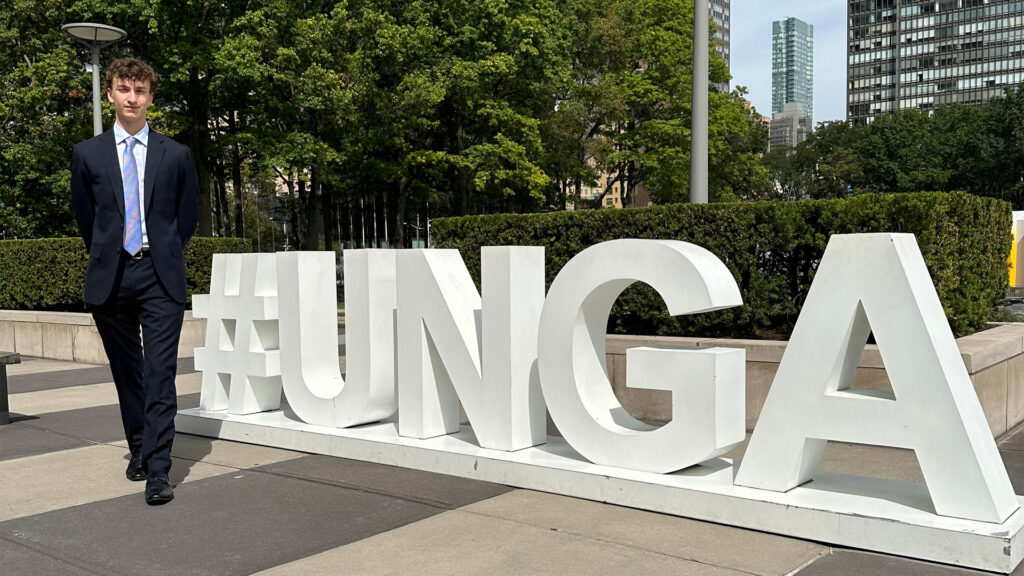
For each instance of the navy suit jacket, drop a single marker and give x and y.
(97, 198)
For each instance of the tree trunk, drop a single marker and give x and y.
(236, 178)
(463, 175)
(218, 210)
(198, 138)
(327, 208)
(311, 213)
(346, 225)
(375, 211)
(400, 205)
(222, 189)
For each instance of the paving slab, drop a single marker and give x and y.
(857, 563)
(86, 396)
(18, 439)
(434, 489)
(39, 381)
(1014, 440)
(1014, 462)
(31, 365)
(16, 558)
(78, 376)
(96, 424)
(45, 482)
(762, 554)
(225, 452)
(59, 399)
(459, 542)
(860, 460)
(229, 525)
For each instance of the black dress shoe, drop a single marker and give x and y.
(158, 490)
(136, 469)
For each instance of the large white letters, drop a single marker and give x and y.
(240, 363)
(443, 324)
(422, 338)
(879, 283)
(311, 379)
(707, 385)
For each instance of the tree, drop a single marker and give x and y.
(635, 96)
(578, 133)
(900, 152)
(44, 104)
(1004, 121)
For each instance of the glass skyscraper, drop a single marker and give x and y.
(920, 54)
(793, 65)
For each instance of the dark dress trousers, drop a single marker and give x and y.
(126, 294)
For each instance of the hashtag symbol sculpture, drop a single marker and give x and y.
(241, 362)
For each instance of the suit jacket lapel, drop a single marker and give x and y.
(154, 157)
(109, 154)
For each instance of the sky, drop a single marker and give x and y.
(752, 51)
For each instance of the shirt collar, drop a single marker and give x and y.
(142, 135)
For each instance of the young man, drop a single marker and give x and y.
(134, 194)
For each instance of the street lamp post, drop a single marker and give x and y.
(699, 115)
(95, 37)
(259, 239)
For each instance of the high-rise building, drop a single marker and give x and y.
(721, 17)
(789, 127)
(905, 54)
(793, 65)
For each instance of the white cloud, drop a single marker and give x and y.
(752, 51)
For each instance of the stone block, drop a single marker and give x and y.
(870, 358)
(652, 406)
(990, 385)
(89, 346)
(984, 349)
(618, 344)
(1014, 391)
(757, 350)
(871, 378)
(760, 376)
(193, 335)
(18, 315)
(79, 318)
(28, 338)
(58, 341)
(7, 335)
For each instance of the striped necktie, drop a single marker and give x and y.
(132, 213)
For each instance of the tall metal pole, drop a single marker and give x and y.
(97, 119)
(701, 83)
(259, 239)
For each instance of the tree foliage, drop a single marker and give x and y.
(356, 117)
(957, 147)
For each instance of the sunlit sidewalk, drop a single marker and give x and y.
(66, 508)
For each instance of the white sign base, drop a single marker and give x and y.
(857, 512)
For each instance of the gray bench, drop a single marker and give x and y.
(5, 359)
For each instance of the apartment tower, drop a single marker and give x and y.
(792, 65)
(721, 17)
(904, 54)
(792, 81)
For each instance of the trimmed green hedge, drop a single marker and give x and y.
(772, 249)
(49, 274)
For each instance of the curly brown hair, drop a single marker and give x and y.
(131, 69)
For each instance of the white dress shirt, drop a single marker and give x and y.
(121, 139)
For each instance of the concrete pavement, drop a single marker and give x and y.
(66, 508)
